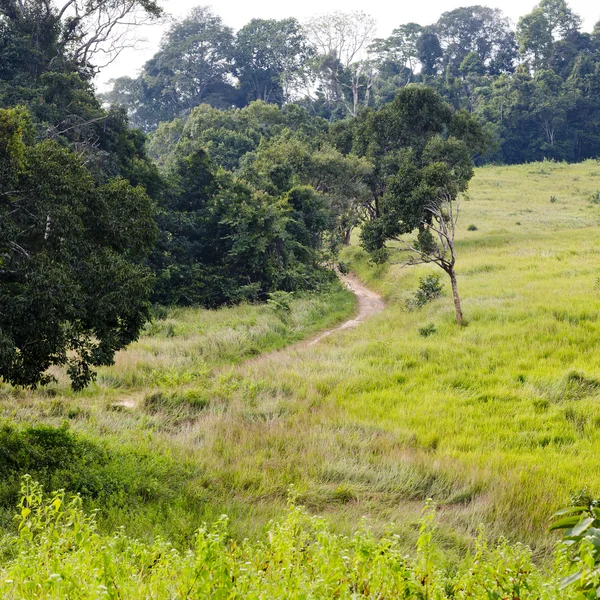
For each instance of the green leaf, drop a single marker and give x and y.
(583, 526)
(565, 523)
(570, 511)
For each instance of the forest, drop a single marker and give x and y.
(170, 248)
(533, 84)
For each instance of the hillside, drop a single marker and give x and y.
(498, 422)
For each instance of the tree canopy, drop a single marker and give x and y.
(73, 286)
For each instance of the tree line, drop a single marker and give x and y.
(535, 85)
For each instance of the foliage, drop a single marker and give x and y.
(222, 241)
(73, 288)
(191, 67)
(429, 289)
(580, 524)
(59, 551)
(419, 172)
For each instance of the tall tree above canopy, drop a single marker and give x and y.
(191, 67)
(479, 29)
(399, 50)
(268, 57)
(341, 39)
(537, 32)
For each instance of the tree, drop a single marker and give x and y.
(340, 38)
(222, 240)
(81, 30)
(534, 35)
(73, 288)
(268, 57)
(191, 67)
(479, 29)
(290, 160)
(429, 51)
(424, 196)
(419, 174)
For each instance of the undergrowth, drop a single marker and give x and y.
(58, 553)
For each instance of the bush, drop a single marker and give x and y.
(472, 228)
(429, 289)
(427, 330)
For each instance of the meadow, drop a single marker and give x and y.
(498, 421)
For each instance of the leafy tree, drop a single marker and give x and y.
(268, 56)
(191, 67)
(429, 51)
(476, 29)
(534, 34)
(418, 176)
(73, 288)
(229, 135)
(291, 160)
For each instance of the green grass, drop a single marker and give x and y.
(498, 421)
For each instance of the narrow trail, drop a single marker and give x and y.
(369, 303)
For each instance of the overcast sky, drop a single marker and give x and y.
(389, 14)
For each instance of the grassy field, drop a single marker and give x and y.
(113, 442)
(498, 422)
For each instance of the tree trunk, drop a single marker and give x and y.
(347, 236)
(459, 314)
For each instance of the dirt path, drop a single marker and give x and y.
(369, 303)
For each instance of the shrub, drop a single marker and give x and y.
(429, 289)
(472, 228)
(427, 330)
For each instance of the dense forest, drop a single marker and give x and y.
(535, 85)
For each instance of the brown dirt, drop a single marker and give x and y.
(369, 303)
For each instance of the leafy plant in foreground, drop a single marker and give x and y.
(59, 553)
(580, 525)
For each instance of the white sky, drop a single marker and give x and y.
(389, 14)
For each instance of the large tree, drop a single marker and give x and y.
(191, 67)
(88, 32)
(268, 57)
(342, 69)
(421, 151)
(73, 288)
